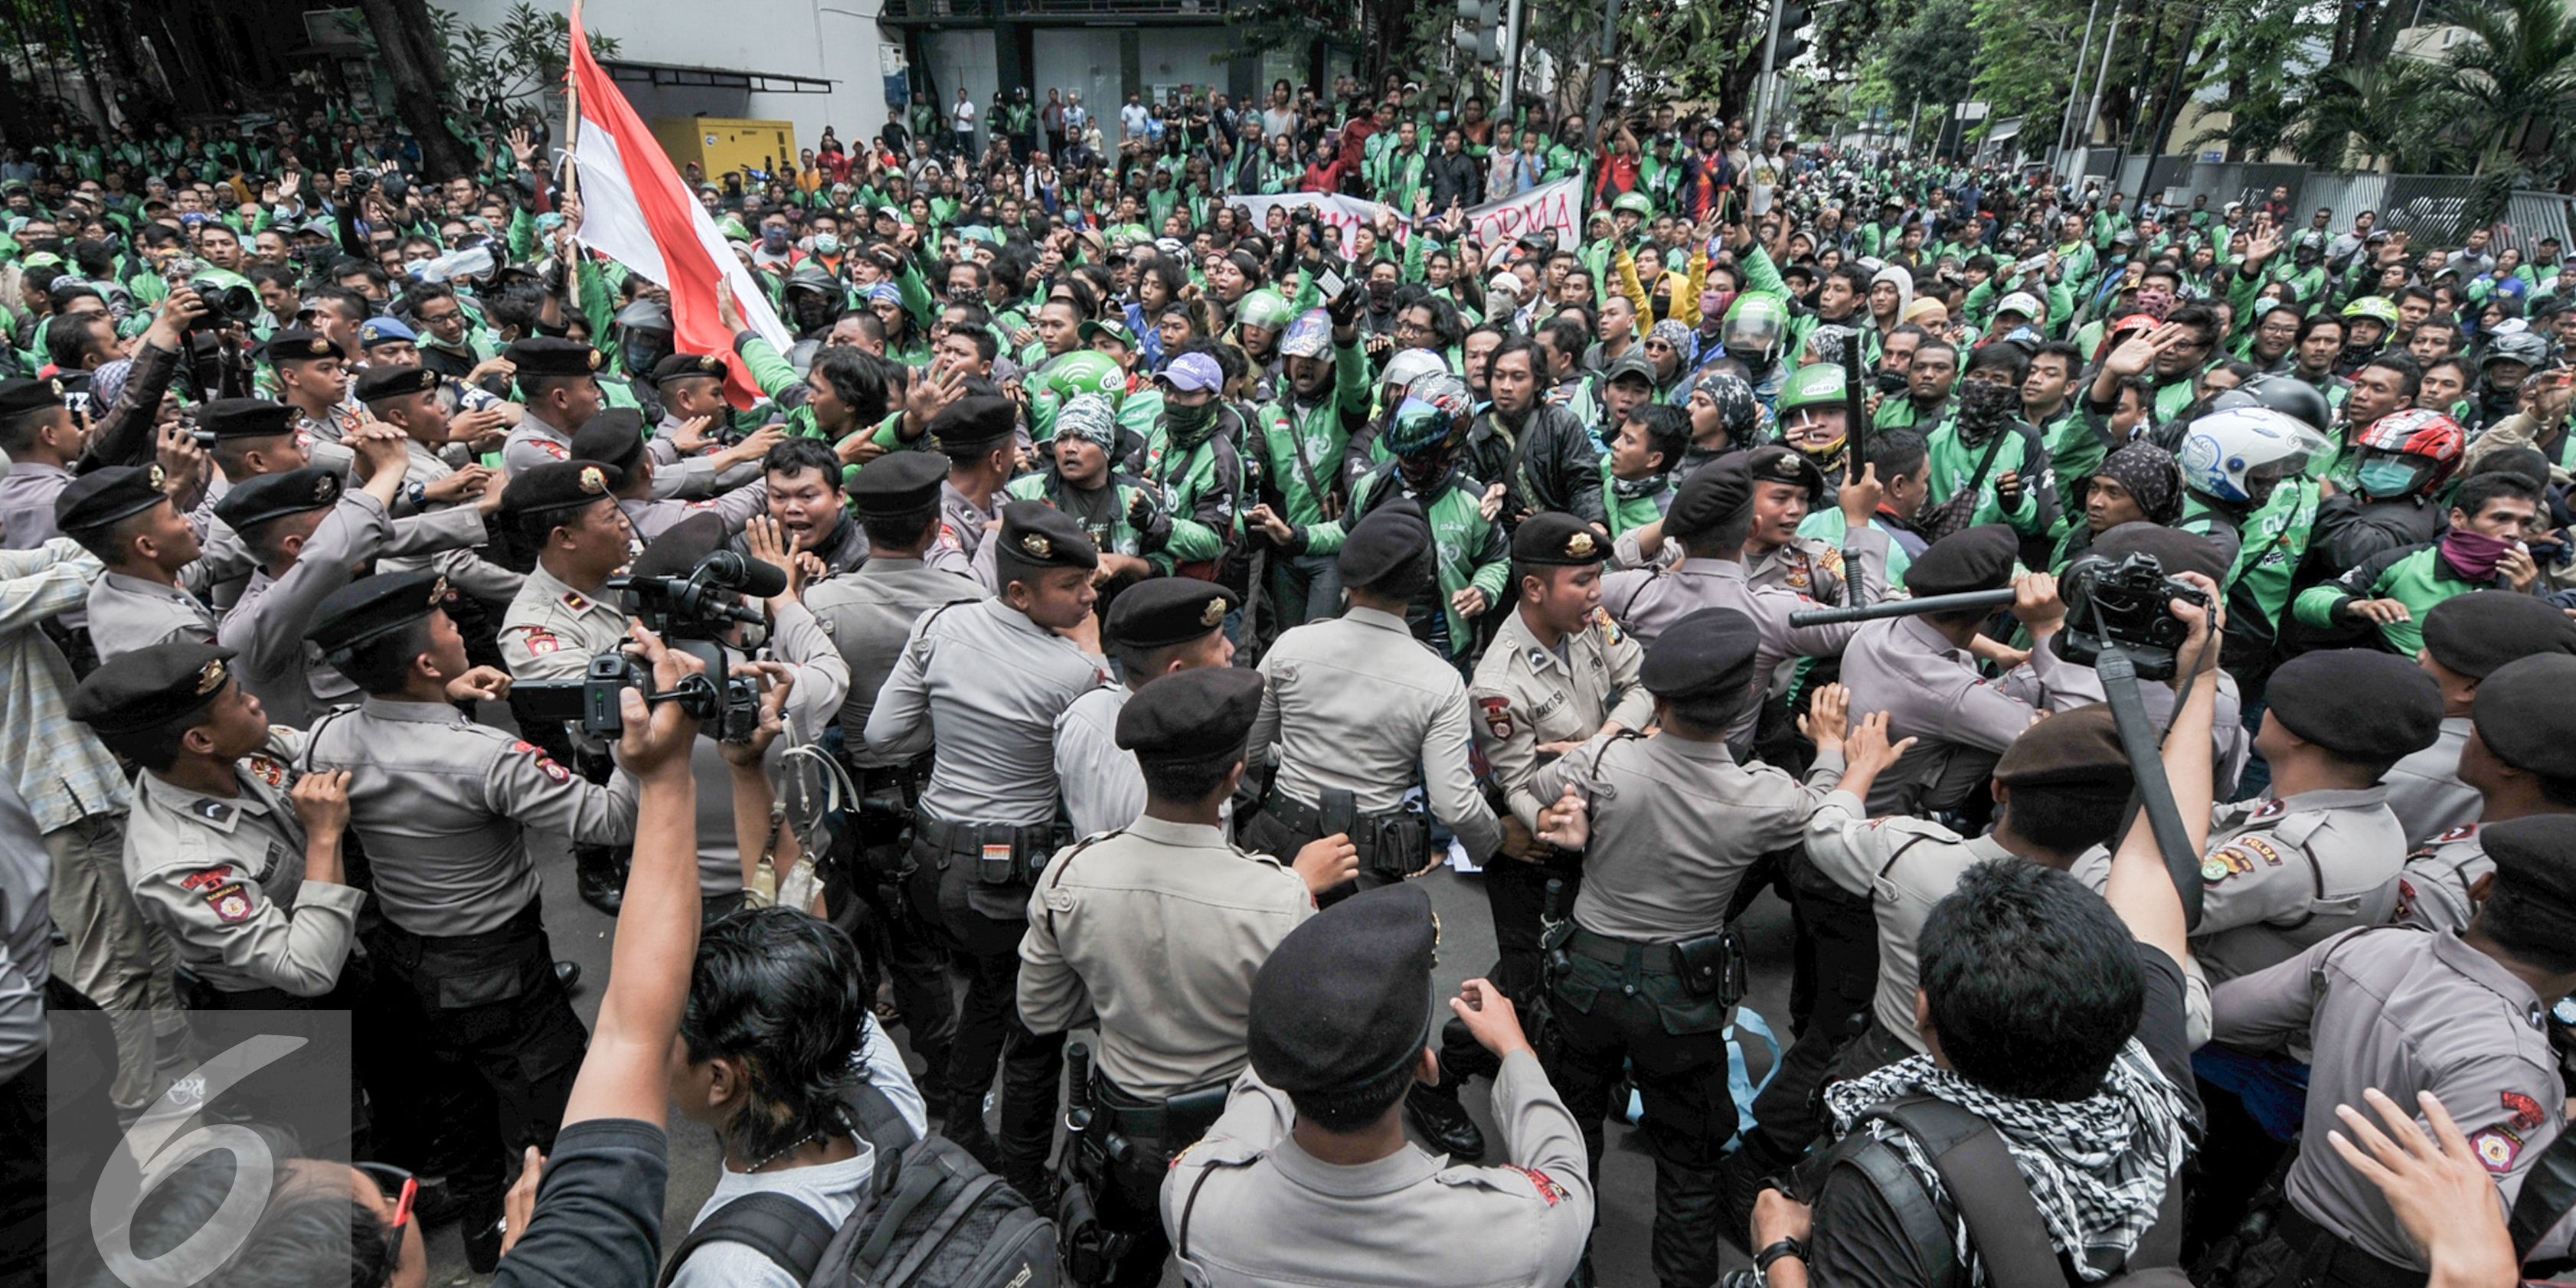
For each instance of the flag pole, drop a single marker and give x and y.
(572, 167)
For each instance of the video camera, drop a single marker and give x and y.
(691, 613)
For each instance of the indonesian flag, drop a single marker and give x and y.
(635, 210)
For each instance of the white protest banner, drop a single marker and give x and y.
(1345, 215)
(1548, 208)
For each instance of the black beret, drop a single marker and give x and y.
(152, 686)
(2078, 748)
(2175, 550)
(1037, 536)
(296, 344)
(614, 438)
(972, 426)
(101, 497)
(1709, 652)
(1203, 713)
(2526, 711)
(681, 547)
(1980, 558)
(384, 380)
(2535, 858)
(246, 418)
(274, 496)
(2473, 635)
(1557, 539)
(1345, 999)
(18, 396)
(1164, 611)
(2356, 702)
(1777, 464)
(897, 484)
(681, 366)
(1709, 496)
(372, 606)
(1383, 543)
(560, 485)
(544, 355)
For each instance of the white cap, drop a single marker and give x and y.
(2023, 303)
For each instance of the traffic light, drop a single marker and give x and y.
(1794, 18)
(1480, 27)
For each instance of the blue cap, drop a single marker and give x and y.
(376, 331)
(1192, 372)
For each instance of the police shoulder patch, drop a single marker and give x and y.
(555, 450)
(1497, 714)
(545, 764)
(1545, 1184)
(2225, 862)
(2526, 1111)
(1609, 625)
(2460, 833)
(539, 640)
(267, 769)
(2497, 1148)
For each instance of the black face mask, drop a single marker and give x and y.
(1891, 382)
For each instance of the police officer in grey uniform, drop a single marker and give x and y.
(615, 438)
(126, 516)
(1710, 516)
(559, 383)
(978, 436)
(712, 471)
(408, 398)
(310, 534)
(986, 682)
(1154, 931)
(1156, 628)
(2322, 853)
(240, 870)
(249, 437)
(2520, 756)
(442, 805)
(1652, 969)
(1808, 565)
(2466, 637)
(2462, 1016)
(1360, 712)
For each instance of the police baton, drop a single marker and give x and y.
(1959, 603)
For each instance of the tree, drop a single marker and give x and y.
(423, 98)
(523, 57)
(1926, 63)
(2513, 76)
(2388, 111)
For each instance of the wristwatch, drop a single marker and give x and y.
(1778, 1249)
(416, 493)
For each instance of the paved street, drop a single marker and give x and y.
(1467, 948)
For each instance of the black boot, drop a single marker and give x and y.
(1443, 1121)
(600, 877)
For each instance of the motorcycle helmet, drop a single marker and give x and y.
(2240, 454)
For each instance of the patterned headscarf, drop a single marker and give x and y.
(2151, 475)
(1089, 417)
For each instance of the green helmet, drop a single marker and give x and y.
(1819, 385)
(1753, 328)
(1087, 371)
(1264, 308)
(1635, 203)
(2375, 307)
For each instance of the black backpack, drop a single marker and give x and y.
(2002, 1218)
(932, 1218)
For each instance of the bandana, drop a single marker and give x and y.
(1679, 336)
(2098, 1167)
(2151, 476)
(1983, 409)
(1088, 417)
(1736, 407)
(1631, 489)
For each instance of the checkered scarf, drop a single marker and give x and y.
(2098, 1167)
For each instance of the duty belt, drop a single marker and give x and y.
(1171, 1121)
(1653, 959)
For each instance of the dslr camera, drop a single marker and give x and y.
(691, 613)
(2125, 605)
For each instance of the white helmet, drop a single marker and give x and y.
(2239, 455)
(1408, 366)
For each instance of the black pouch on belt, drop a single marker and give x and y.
(1712, 966)
(1401, 838)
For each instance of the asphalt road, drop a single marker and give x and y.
(1467, 948)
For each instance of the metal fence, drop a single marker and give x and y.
(2433, 208)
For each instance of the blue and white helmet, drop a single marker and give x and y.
(2239, 455)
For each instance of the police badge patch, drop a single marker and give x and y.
(1498, 716)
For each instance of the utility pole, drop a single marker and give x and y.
(1762, 87)
(1603, 69)
(2101, 79)
(2075, 83)
(1512, 59)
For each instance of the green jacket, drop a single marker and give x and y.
(2415, 576)
(1470, 547)
(1302, 446)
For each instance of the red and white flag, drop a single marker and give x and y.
(635, 210)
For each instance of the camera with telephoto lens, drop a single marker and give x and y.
(2127, 605)
(691, 614)
(228, 296)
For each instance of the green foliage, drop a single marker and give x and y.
(2026, 51)
(523, 56)
(1926, 62)
(2513, 77)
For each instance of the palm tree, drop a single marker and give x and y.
(2513, 75)
(2372, 112)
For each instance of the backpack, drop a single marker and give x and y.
(932, 1218)
(2002, 1218)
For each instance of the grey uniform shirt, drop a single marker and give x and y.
(1247, 1206)
(984, 684)
(26, 934)
(691, 478)
(533, 443)
(1154, 932)
(443, 805)
(961, 532)
(129, 613)
(737, 508)
(1357, 703)
(2403, 1011)
(1103, 787)
(1645, 602)
(2425, 791)
(869, 613)
(551, 630)
(2433, 889)
(1675, 823)
(223, 877)
(1903, 866)
(469, 573)
(1933, 692)
(27, 495)
(267, 627)
(1524, 695)
(1806, 565)
(2281, 874)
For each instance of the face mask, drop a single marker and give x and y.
(1441, 117)
(1381, 291)
(827, 244)
(1985, 403)
(1891, 382)
(2475, 554)
(1189, 425)
(774, 238)
(2386, 478)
